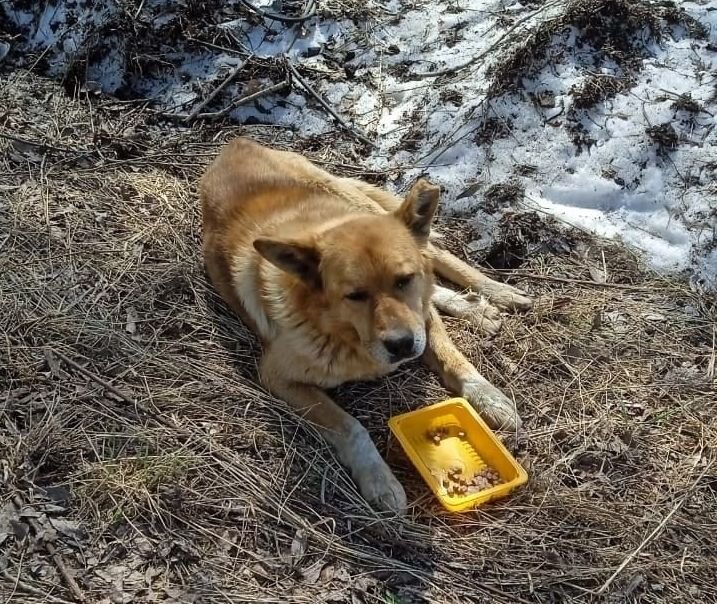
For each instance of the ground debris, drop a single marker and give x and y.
(100, 260)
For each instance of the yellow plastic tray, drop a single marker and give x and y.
(472, 452)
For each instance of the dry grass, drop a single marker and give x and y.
(208, 490)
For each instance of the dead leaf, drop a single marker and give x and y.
(596, 274)
(58, 494)
(117, 592)
(68, 528)
(132, 318)
(327, 573)
(471, 190)
(52, 362)
(298, 545)
(342, 575)
(8, 514)
(312, 573)
(50, 508)
(25, 151)
(20, 530)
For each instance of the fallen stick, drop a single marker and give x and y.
(54, 554)
(626, 286)
(310, 12)
(652, 535)
(245, 99)
(195, 112)
(95, 378)
(27, 588)
(357, 133)
(212, 115)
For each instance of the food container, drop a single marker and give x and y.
(467, 443)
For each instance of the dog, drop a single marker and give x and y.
(336, 277)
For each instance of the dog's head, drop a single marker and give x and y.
(371, 273)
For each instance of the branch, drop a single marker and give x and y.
(213, 115)
(357, 133)
(195, 112)
(308, 13)
(54, 554)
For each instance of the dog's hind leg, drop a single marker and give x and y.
(459, 375)
(453, 269)
(349, 438)
(468, 306)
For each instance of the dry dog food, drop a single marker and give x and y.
(457, 483)
(454, 480)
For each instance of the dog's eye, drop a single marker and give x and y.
(404, 282)
(358, 296)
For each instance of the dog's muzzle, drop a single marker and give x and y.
(400, 348)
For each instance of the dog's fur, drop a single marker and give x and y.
(336, 278)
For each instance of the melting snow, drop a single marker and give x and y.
(618, 184)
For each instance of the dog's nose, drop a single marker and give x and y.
(400, 347)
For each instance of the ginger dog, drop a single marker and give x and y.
(336, 278)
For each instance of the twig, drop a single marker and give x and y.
(213, 115)
(41, 145)
(245, 99)
(195, 112)
(95, 378)
(139, 9)
(308, 14)
(713, 356)
(499, 592)
(54, 554)
(625, 286)
(651, 536)
(27, 588)
(357, 133)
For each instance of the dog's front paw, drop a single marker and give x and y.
(493, 406)
(468, 306)
(482, 314)
(374, 478)
(507, 297)
(380, 488)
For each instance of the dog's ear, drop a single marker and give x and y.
(298, 258)
(419, 207)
